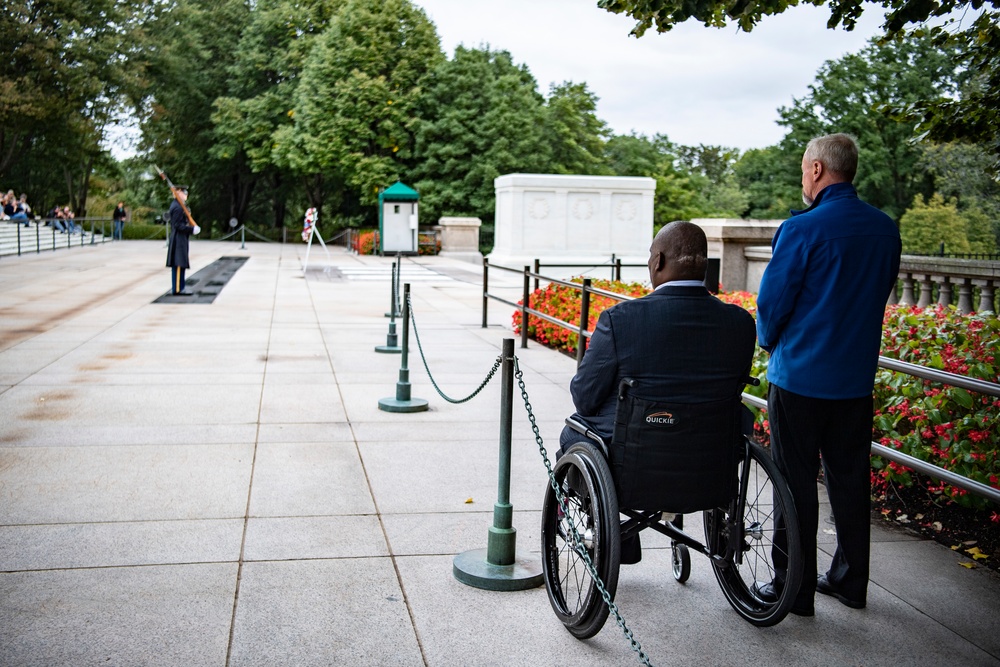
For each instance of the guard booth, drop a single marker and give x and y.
(397, 219)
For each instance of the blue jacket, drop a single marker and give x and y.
(822, 298)
(680, 344)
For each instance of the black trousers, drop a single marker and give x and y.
(802, 430)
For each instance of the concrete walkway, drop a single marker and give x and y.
(213, 484)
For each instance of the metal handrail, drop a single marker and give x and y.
(914, 370)
(943, 377)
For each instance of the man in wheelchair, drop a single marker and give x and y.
(678, 345)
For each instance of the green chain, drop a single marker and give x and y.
(577, 540)
(489, 376)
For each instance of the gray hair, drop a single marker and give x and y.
(837, 152)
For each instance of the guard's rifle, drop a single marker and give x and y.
(176, 194)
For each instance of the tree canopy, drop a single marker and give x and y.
(974, 116)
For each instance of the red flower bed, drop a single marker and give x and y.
(365, 243)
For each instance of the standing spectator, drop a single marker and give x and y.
(819, 315)
(177, 247)
(119, 217)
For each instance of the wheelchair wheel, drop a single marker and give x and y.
(680, 561)
(752, 558)
(583, 476)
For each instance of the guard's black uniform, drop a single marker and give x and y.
(177, 248)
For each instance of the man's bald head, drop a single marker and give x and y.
(679, 252)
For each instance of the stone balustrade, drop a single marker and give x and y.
(969, 284)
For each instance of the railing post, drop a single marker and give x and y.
(944, 291)
(907, 299)
(38, 238)
(581, 341)
(243, 237)
(613, 266)
(986, 294)
(538, 269)
(53, 238)
(926, 292)
(18, 225)
(525, 304)
(618, 269)
(965, 296)
(486, 286)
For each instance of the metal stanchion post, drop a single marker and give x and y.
(403, 402)
(391, 344)
(581, 341)
(399, 280)
(18, 225)
(497, 567)
(394, 292)
(613, 266)
(243, 237)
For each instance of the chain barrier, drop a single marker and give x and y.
(416, 334)
(578, 545)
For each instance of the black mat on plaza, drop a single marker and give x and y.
(208, 282)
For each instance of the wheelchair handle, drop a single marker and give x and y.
(622, 387)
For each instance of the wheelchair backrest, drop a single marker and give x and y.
(675, 457)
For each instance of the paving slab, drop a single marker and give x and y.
(158, 616)
(323, 612)
(215, 485)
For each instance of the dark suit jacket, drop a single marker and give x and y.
(180, 234)
(680, 344)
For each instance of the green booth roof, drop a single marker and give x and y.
(398, 191)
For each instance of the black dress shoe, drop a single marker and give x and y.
(823, 586)
(765, 592)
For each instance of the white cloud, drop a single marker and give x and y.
(694, 84)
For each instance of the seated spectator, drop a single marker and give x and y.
(21, 209)
(71, 226)
(55, 217)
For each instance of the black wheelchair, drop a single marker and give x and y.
(666, 460)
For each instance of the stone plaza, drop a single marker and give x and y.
(213, 484)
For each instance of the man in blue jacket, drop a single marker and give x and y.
(820, 310)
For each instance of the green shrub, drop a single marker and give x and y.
(947, 426)
(137, 231)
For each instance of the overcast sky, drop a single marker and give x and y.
(695, 84)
